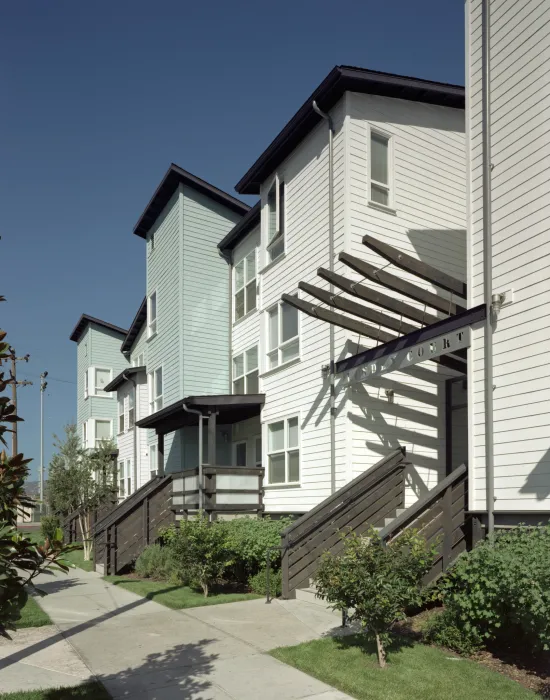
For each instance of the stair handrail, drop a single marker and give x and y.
(412, 512)
(338, 495)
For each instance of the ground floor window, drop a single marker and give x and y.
(152, 460)
(283, 451)
(245, 372)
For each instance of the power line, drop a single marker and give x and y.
(53, 379)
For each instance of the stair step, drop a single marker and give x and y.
(399, 511)
(388, 521)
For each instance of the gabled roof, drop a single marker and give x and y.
(84, 320)
(173, 177)
(333, 87)
(238, 232)
(137, 323)
(123, 376)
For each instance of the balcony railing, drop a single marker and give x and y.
(225, 489)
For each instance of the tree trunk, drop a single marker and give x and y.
(205, 589)
(85, 529)
(380, 651)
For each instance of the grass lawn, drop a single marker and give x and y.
(414, 672)
(76, 557)
(175, 597)
(32, 615)
(87, 691)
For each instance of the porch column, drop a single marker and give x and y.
(160, 454)
(212, 439)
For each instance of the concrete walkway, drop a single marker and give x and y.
(141, 650)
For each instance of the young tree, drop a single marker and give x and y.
(20, 559)
(375, 582)
(80, 481)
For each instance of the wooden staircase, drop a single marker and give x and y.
(376, 498)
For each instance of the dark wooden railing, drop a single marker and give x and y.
(122, 534)
(226, 489)
(441, 517)
(71, 525)
(367, 500)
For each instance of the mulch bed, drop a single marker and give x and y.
(533, 672)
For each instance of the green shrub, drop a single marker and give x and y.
(49, 527)
(249, 539)
(154, 562)
(375, 582)
(500, 591)
(443, 629)
(200, 552)
(257, 583)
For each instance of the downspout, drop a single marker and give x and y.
(199, 414)
(129, 378)
(330, 123)
(487, 265)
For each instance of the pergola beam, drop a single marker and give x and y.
(386, 279)
(416, 267)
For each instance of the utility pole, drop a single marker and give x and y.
(14, 384)
(43, 385)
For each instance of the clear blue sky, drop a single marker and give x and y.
(96, 100)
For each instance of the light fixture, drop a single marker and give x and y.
(325, 371)
(497, 300)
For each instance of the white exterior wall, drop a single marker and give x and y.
(520, 141)
(125, 440)
(428, 221)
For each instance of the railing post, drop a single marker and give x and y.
(285, 566)
(447, 526)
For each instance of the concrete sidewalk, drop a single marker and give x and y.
(141, 650)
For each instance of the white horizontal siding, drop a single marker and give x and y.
(520, 141)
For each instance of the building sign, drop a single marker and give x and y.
(413, 355)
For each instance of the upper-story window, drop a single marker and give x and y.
(121, 418)
(244, 281)
(275, 205)
(245, 372)
(138, 361)
(131, 409)
(102, 378)
(85, 435)
(282, 334)
(152, 315)
(283, 451)
(86, 385)
(102, 431)
(380, 169)
(155, 390)
(95, 381)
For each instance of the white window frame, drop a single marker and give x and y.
(281, 345)
(156, 401)
(235, 446)
(153, 460)
(102, 420)
(246, 283)
(286, 450)
(246, 371)
(90, 388)
(152, 324)
(120, 404)
(138, 361)
(121, 474)
(389, 187)
(85, 435)
(129, 477)
(280, 220)
(132, 398)
(87, 384)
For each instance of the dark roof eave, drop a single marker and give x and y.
(123, 377)
(340, 80)
(242, 229)
(135, 327)
(84, 320)
(169, 183)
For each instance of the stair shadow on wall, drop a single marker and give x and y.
(537, 483)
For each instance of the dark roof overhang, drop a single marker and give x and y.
(231, 408)
(137, 323)
(343, 79)
(243, 228)
(84, 320)
(173, 177)
(123, 376)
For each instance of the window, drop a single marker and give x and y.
(121, 416)
(283, 451)
(276, 220)
(152, 315)
(240, 454)
(245, 289)
(282, 332)
(121, 483)
(86, 384)
(380, 153)
(153, 460)
(131, 409)
(258, 449)
(85, 435)
(245, 372)
(155, 390)
(102, 431)
(102, 378)
(128, 477)
(138, 361)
